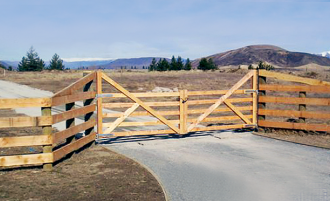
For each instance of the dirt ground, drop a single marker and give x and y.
(309, 138)
(93, 174)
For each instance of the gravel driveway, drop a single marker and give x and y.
(233, 166)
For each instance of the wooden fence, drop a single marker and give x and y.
(302, 106)
(179, 112)
(55, 145)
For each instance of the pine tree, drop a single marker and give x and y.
(187, 66)
(207, 64)
(153, 65)
(173, 64)
(212, 65)
(203, 64)
(179, 63)
(56, 63)
(31, 62)
(23, 65)
(163, 65)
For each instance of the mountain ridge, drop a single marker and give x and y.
(268, 53)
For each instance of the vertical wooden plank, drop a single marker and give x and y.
(261, 80)
(70, 123)
(47, 130)
(183, 111)
(302, 107)
(88, 116)
(255, 97)
(99, 102)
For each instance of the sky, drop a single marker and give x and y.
(77, 29)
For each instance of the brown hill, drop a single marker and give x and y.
(268, 53)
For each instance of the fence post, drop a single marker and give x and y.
(88, 116)
(261, 80)
(70, 123)
(302, 107)
(99, 102)
(255, 97)
(47, 130)
(183, 111)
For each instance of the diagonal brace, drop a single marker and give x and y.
(237, 112)
(118, 121)
(220, 100)
(141, 103)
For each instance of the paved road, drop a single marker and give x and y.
(233, 166)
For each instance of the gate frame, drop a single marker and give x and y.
(183, 127)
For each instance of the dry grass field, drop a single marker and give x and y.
(103, 175)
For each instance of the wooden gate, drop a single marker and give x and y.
(115, 121)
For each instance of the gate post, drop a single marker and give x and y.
(99, 102)
(302, 107)
(88, 116)
(183, 111)
(255, 97)
(261, 80)
(47, 130)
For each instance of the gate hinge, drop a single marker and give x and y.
(103, 95)
(250, 125)
(251, 91)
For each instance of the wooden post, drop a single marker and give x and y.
(302, 107)
(99, 102)
(261, 80)
(70, 122)
(183, 111)
(47, 130)
(88, 116)
(255, 98)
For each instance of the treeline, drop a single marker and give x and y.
(176, 64)
(32, 62)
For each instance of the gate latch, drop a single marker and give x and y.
(251, 91)
(184, 100)
(103, 95)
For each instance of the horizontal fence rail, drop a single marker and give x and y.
(307, 98)
(55, 145)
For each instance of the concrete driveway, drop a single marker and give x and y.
(232, 166)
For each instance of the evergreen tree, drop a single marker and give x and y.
(206, 64)
(163, 65)
(203, 64)
(31, 62)
(212, 65)
(179, 63)
(173, 64)
(56, 63)
(23, 65)
(187, 66)
(153, 65)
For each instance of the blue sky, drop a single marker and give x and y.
(141, 28)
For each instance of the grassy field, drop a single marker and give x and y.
(83, 175)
